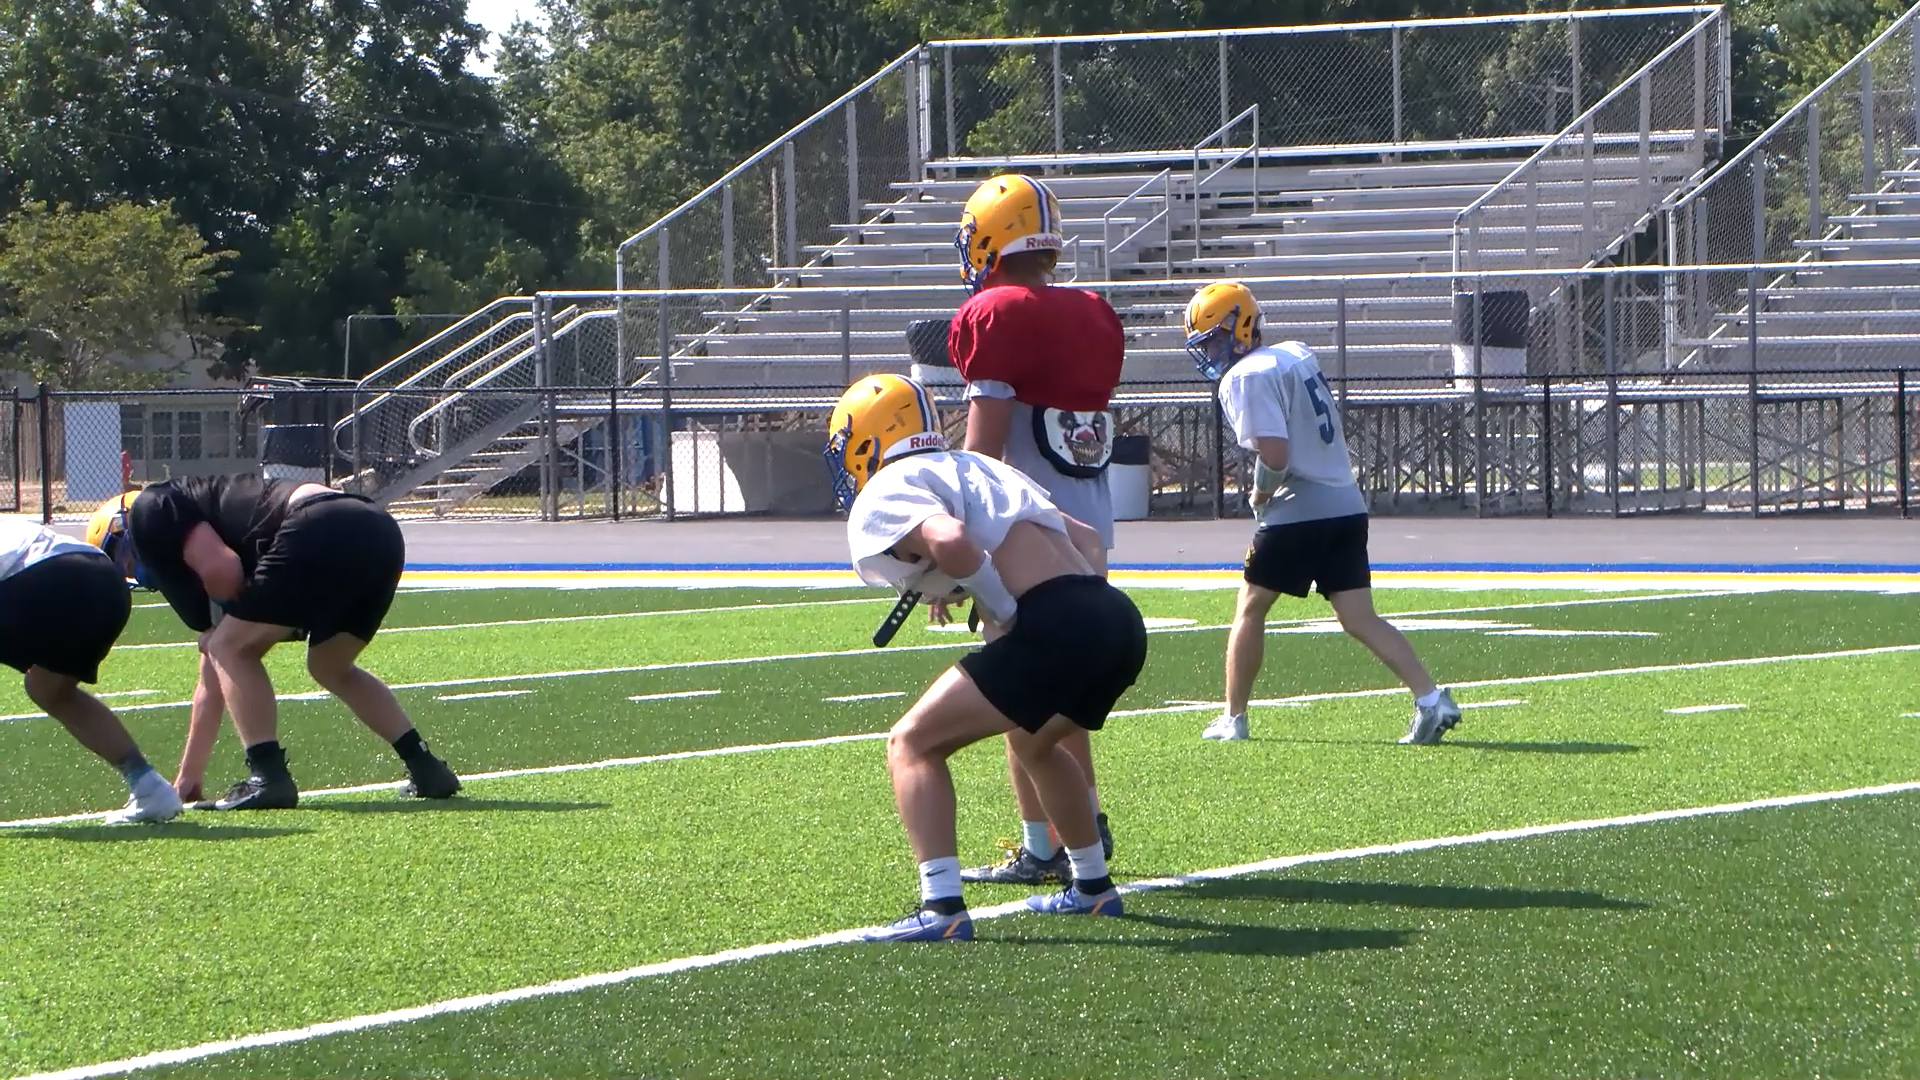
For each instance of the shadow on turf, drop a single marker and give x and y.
(1400, 894)
(430, 806)
(1240, 940)
(173, 830)
(1506, 747)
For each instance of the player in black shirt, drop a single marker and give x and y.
(277, 556)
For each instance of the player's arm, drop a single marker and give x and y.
(989, 419)
(943, 541)
(213, 562)
(981, 358)
(203, 726)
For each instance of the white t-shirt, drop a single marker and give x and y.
(986, 496)
(24, 541)
(1278, 392)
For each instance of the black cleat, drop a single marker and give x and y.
(430, 778)
(256, 793)
(1106, 836)
(1021, 867)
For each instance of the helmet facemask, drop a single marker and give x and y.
(1214, 350)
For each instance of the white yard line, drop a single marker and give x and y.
(128, 693)
(673, 694)
(868, 697)
(1301, 699)
(482, 694)
(1688, 710)
(781, 657)
(476, 1002)
(1500, 704)
(565, 619)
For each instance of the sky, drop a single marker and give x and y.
(497, 16)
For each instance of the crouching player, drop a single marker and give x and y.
(1313, 519)
(277, 556)
(62, 606)
(1062, 644)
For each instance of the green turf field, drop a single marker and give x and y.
(737, 805)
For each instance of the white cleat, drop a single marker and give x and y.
(1430, 723)
(153, 801)
(1227, 729)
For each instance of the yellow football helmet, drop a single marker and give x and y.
(1006, 215)
(879, 419)
(107, 530)
(1223, 325)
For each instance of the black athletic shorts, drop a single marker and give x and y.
(332, 569)
(1076, 645)
(63, 614)
(1330, 553)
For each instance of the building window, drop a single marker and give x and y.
(160, 427)
(250, 440)
(189, 423)
(219, 437)
(133, 432)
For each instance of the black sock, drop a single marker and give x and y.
(132, 766)
(267, 760)
(410, 746)
(946, 905)
(1095, 886)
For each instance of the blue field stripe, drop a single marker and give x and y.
(1398, 567)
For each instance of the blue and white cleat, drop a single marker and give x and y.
(924, 925)
(1071, 901)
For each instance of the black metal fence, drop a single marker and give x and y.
(1757, 443)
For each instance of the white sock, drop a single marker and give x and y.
(1430, 700)
(940, 879)
(1089, 863)
(1037, 838)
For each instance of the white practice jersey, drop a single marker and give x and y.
(1278, 392)
(24, 541)
(985, 495)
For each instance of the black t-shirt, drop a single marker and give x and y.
(245, 511)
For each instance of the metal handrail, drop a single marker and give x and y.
(448, 401)
(367, 380)
(1791, 114)
(1581, 124)
(387, 393)
(766, 151)
(1200, 184)
(1329, 28)
(1107, 247)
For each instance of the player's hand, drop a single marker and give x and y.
(189, 787)
(205, 636)
(937, 613)
(1258, 502)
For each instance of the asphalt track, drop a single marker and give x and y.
(1676, 543)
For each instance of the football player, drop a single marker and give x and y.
(1313, 519)
(1061, 643)
(275, 557)
(1040, 363)
(62, 606)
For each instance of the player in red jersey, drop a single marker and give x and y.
(1041, 363)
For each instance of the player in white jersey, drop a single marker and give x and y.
(1313, 519)
(1062, 645)
(62, 606)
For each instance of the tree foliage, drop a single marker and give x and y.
(87, 295)
(350, 159)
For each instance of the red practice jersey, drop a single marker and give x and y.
(1057, 348)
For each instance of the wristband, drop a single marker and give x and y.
(1267, 481)
(988, 591)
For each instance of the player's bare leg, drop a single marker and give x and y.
(951, 714)
(332, 665)
(1434, 711)
(238, 648)
(99, 730)
(1246, 650)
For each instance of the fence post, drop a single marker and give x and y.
(1903, 471)
(1814, 216)
(1546, 440)
(846, 341)
(1753, 384)
(1340, 341)
(1573, 53)
(1226, 93)
(793, 209)
(1866, 123)
(614, 473)
(1479, 403)
(726, 238)
(46, 456)
(360, 483)
(666, 412)
(14, 397)
(853, 162)
(910, 94)
(1219, 461)
(946, 72)
(1059, 88)
(1398, 107)
(542, 381)
(1609, 333)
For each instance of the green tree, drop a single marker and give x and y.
(87, 295)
